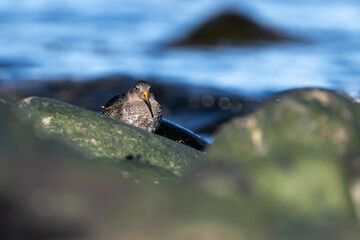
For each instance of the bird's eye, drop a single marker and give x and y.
(136, 88)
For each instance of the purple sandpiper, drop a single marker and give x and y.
(137, 107)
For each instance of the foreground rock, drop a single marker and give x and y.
(5, 102)
(48, 191)
(97, 136)
(294, 162)
(230, 28)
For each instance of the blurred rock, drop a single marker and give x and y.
(97, 136)
(5, 102)
(180, 103)
(48, 191)
(19, 146)
(87, 94)
(231, 28)
(291, 161)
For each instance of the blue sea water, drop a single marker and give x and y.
(41, 39)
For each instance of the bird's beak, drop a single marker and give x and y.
(145, 97)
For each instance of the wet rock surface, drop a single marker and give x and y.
(234, 29)
(179, 134)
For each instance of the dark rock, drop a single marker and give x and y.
(231, 28)
(87, 94)
(182, 135)
(98, 136)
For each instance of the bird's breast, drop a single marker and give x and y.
(139, 115)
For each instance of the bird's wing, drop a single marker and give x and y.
(112, 104)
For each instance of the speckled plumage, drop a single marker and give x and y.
(132, 108)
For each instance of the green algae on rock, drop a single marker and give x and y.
(289, 161)
(97, 136)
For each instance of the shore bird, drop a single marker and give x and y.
(136, 107)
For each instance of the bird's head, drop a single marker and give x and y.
(142, 90)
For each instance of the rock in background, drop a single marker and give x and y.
(230, 28)
(199, 109)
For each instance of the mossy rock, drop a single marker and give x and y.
(291, 162)
(17, 137)
(97, 136)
